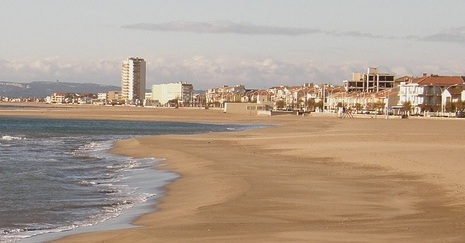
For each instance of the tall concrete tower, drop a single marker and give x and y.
(133, 75)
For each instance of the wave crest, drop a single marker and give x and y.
(9, 138)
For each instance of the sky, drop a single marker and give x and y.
(211, 43)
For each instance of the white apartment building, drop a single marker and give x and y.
(419, 95)
(133, 78)
(102, 96)
(431, 93)
(181, 91)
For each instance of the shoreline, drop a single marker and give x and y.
(311, 178)
(123, 221)
(128, 216)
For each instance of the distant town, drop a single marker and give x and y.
(370, 92)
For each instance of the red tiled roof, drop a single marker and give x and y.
(439, 80)
(453, 91)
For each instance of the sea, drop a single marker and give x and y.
(56, 175)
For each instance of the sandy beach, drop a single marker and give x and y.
(304, 179)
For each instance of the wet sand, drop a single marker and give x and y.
(306, 179)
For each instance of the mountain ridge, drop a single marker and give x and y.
(42, 89)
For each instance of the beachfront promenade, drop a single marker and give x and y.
(312, 178)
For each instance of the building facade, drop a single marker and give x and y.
(226, 94)
(133, 79)
(370, 82)
(181, 91)
(431, 93)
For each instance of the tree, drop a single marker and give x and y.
(216, 104)
(460, 106)
(358, 107)
(379, 106)
(425, 108)
(280, 104)
(406, 107)
(173, 102)
(319, 104)
(452, 106)
(371, 106)
(311, 104)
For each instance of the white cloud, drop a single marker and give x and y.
(209, 72)
(51, 69)
(206, 72)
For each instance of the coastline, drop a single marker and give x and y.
(142, 179)
(310, 178)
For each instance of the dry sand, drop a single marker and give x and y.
(307, 179)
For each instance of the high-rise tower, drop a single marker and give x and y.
(133, 80)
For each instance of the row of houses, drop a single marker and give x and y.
(366, 92)
(370, 92)
(72, 98)
(172, 94)
(433, 93)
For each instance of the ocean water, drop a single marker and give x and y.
(56, 175)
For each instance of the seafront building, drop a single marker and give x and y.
(218, 96)
(181, 93)
(133, 79)
(71, 98)
(113, 97)
(432, 93)
(372, 92)
(369, 82)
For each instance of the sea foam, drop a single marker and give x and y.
(10, 138)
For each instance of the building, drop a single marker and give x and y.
(57, 98)
(369, 82)
(246, 108)
(218, 96)
(102, 96)
(133, 75)
(71, 98)
(431, 92)
(113, 97)
(181, 92)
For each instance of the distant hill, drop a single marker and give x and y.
(42, 89)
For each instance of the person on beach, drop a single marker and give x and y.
(340, 112)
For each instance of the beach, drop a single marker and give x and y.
(314, 178)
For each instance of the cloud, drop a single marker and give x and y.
(242, 28)
(204, 72)
(357, 34)
(210, 72)
(55, 68)
(222, 27)
(454, 35)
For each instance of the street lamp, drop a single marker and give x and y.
(387, 102)
(331, 100)
(325, 97)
